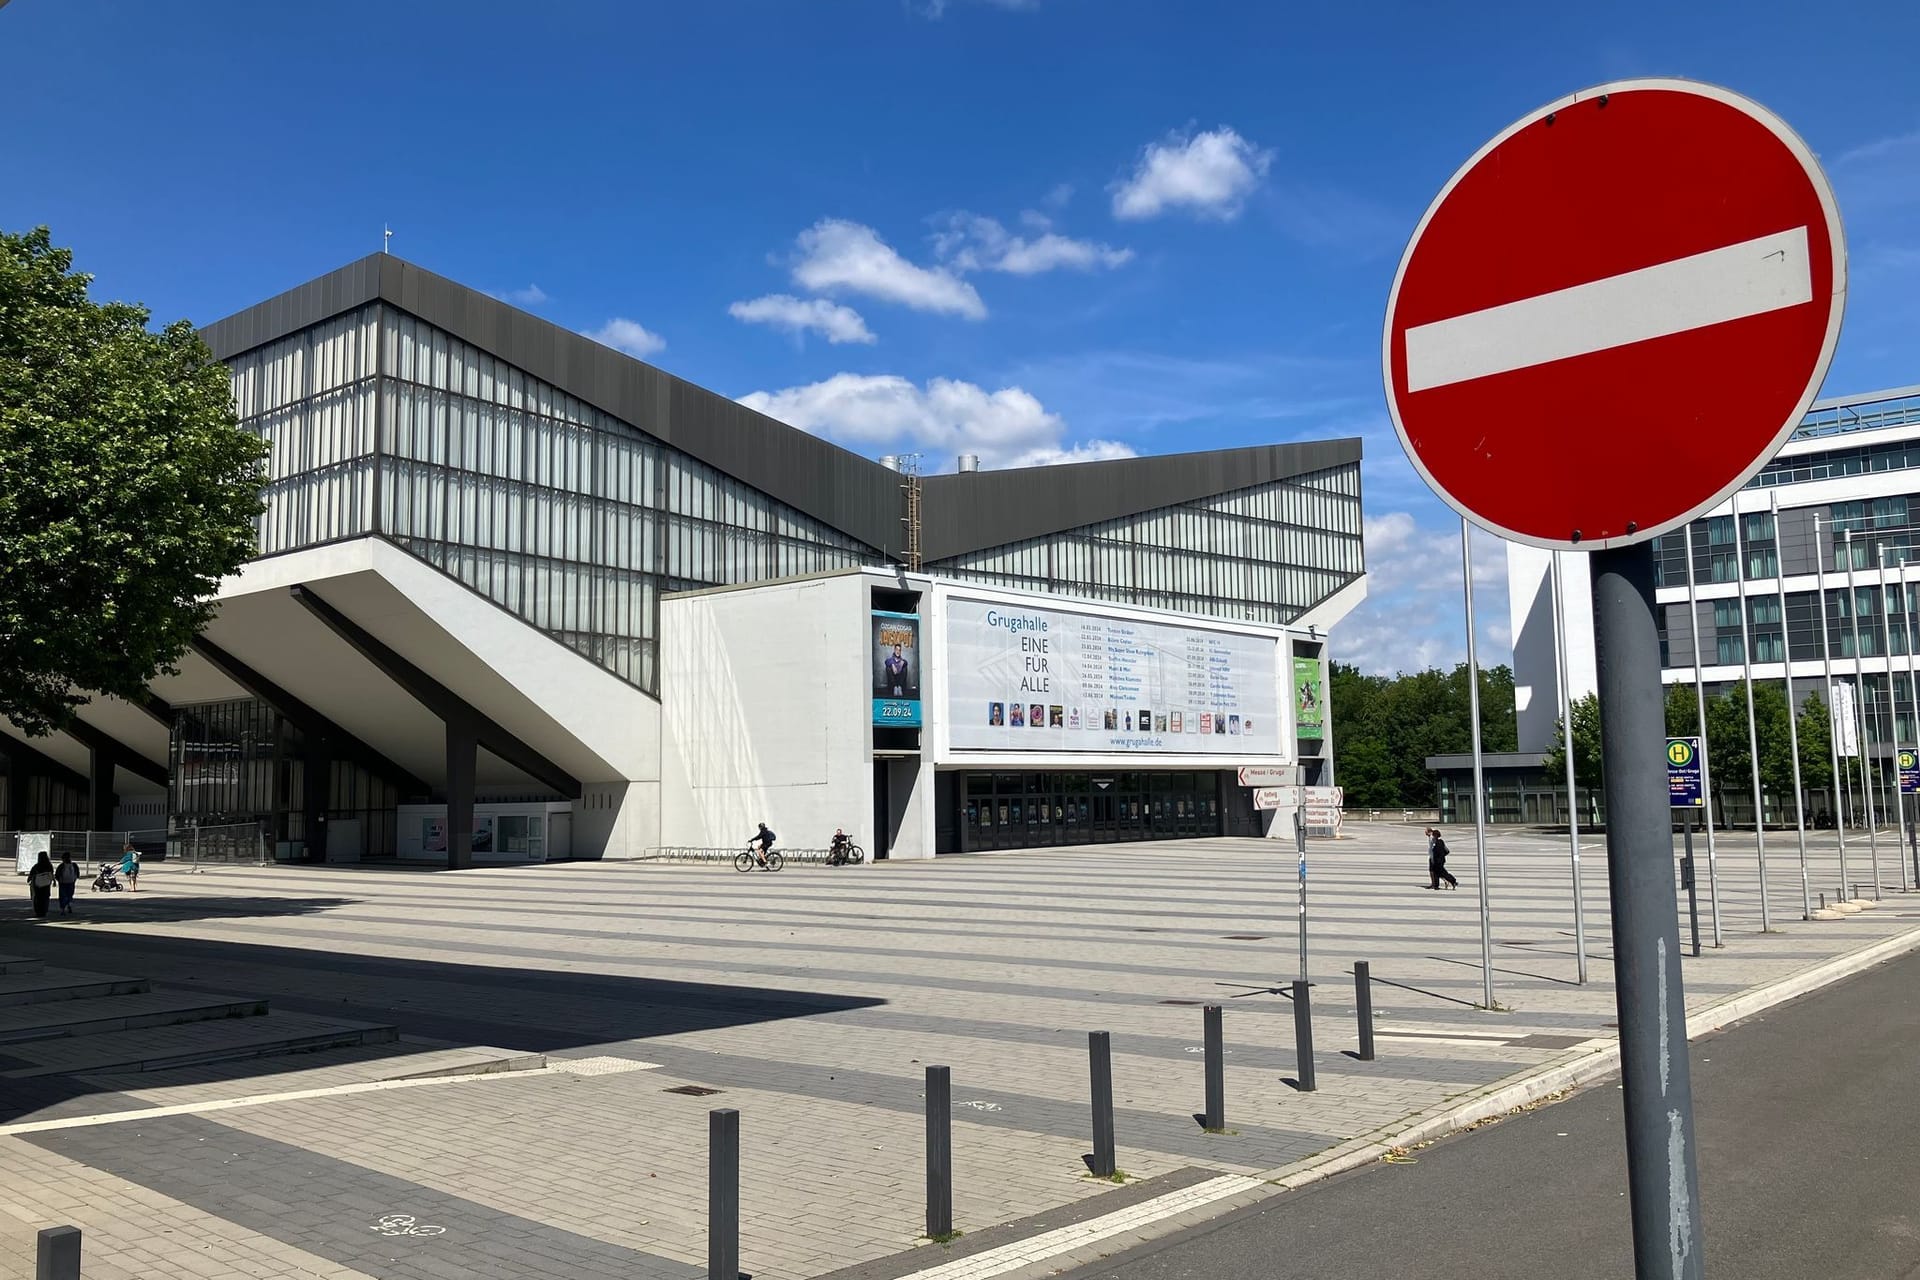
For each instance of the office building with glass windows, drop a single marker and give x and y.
(496, 615)
(1837, 512)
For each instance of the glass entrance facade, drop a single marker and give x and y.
(1035, 810)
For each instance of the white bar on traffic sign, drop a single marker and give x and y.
(1740, 280)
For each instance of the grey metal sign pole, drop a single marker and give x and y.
(1479, 779)
(1706, 755)
(1663, 1179)
(1793, 712)
(1562, 666)
(1300, 843)
(1833, 712)
(1753, 734)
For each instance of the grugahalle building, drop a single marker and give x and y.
(520, 596)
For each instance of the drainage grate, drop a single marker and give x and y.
(1179, 1002)
(1245, 937)
(694, 1090)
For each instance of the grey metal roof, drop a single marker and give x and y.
(853, 494)
(960, 513)
(973, 510)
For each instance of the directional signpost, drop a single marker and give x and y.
(1604, 325)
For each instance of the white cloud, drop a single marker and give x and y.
(531, 296)
(945, 418)
(1210, 174)
(838, 255)
(936, 9)
(1412, 618)
(1056, 199)
(972, 242)
(629, 336)
(835, 323)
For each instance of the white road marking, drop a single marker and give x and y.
(259, 1100)
(1740, 280)
(1011, 1257)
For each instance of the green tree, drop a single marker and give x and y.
(1683, 718)
(1816, 762)
(127, 488)
(1385, 728)
(1587, 773)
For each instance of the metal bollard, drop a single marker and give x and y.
(1363, 1006)
(723, 1194)
(1100, 1067)
(1216, 1116)
(1303, 1035)
(59, 1254)
(939, 1152)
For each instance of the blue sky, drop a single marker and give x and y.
(1032, 229)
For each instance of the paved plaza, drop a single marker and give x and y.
(812, 1001)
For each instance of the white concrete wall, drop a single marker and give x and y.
(616, 820)
(767, 714)
(1536, 688)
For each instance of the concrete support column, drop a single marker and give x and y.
(99, 789)
(316, 793)
(461, 750)
(17, 788)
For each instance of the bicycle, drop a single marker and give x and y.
(849, 854)
(745, 861)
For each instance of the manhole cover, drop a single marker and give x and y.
(693, 1090)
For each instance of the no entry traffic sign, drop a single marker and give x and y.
(1615, 313)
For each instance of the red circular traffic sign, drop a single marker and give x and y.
(1615, 313)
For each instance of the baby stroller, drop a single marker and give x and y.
(108, 881)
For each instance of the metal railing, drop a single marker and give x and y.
(701, 853)
(237, 844)
(1429, 816)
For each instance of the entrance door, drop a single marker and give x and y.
(882, 810)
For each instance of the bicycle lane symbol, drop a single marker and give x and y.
(405, 1224)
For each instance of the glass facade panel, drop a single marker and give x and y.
(565, 516)
(1266, 553)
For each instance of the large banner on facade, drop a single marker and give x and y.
(1050, 680)
(896, 668)
(1309, 698)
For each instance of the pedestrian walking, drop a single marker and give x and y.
(130, 866)
(67, 876)
(1437, 861)
(40, 885)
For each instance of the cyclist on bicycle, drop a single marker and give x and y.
(837, 853)
(761, 844)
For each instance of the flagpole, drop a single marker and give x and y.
(1562, 668)
(1479, 774)
(1833, 710)
(1753, 733)
(1866, 725)
(1793, 712)
(1706, 756)
(1893, 714)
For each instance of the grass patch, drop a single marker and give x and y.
(946, 1237)
(1117, 1177)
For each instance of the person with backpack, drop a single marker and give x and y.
(1437, 861)
(40, 885)
(67, 876)
(761, 844)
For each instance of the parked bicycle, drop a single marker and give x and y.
(844, 852)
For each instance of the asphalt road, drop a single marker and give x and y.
(1809, 1135)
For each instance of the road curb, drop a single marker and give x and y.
(1498, 1100)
